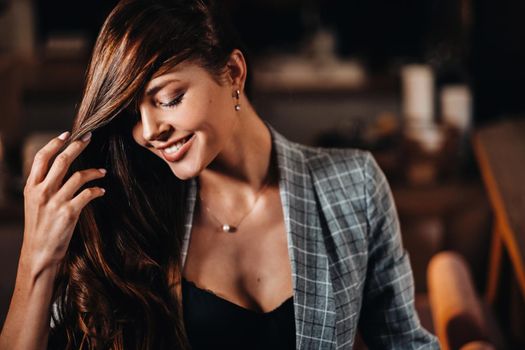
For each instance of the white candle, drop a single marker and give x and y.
(418, 93)
(456, 106)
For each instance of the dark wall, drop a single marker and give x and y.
(498, 58)
(379, 30)
(64, 16)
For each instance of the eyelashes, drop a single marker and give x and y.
(135, 113)
(173, 103)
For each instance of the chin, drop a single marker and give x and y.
(184, 172)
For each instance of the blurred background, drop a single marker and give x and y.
(432, 88)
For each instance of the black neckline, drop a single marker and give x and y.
(237, 306)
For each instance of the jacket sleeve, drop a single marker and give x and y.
(388, 317)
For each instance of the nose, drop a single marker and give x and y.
(154, 129)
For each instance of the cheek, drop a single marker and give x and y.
(220, 109)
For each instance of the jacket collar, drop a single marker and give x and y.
(314, 304)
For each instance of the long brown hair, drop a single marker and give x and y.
(117, 286)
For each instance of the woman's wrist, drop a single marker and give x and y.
(34, 268)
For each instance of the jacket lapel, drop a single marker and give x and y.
(314, 303)
(313, 295)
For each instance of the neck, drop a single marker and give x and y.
(244, 163)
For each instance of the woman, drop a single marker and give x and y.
(174, 217)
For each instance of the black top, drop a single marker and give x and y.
(216, 323)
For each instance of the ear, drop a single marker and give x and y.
(237, 70)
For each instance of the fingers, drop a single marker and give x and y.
(86, 196)
(41, 161)
(47, 179)
(77, 180)
(62, 162)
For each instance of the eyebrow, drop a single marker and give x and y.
(154, 89)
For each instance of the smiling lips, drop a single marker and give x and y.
(176, 147)
(176, 151)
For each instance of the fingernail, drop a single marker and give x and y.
(86, 137)
(103, 190)
(63, 136)
(103, 171)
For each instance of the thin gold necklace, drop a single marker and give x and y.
(233, 228)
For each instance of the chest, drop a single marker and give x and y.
(250, 267)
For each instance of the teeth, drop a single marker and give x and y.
(174, 148)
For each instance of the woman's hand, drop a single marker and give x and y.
(51, 207)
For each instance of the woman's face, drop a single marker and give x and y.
(186, 118)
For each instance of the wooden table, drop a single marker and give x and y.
(500, 152)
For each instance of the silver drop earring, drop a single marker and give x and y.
(237, 95)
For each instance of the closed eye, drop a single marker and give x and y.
(176, 101)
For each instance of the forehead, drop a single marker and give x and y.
(182, 72)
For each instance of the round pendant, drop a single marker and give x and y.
(227, 228)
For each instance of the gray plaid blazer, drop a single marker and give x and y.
(349, 268)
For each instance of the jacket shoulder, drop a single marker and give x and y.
(331, 161)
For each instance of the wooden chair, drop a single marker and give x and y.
(461, 321)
